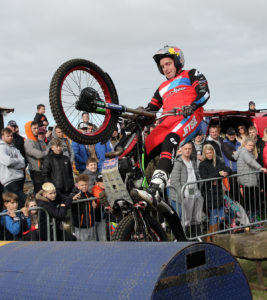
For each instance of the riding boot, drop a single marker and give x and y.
(153, 193)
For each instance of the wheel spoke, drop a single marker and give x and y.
(69, 80)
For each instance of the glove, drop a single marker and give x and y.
(187, 111)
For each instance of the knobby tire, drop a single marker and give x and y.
(125, 229)
(68, 81)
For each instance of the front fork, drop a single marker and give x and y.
(140, 226)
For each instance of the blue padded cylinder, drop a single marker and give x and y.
(121, 270)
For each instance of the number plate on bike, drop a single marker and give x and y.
(114, 186)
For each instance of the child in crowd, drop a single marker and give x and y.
(32, 234)
(56, 205)
(40, 117)
(83, 212)
(100, 224)
(14, 223)
(91, 171)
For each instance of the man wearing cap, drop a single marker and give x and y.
(80, 152)
(12, 166)
(198, 143)
(44, 135)
(36, 151)
(18, 140)
(229, 146)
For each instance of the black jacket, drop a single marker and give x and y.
(213, 190)
(18, 142)
(215, 145)
(40, 118)
(83, 214)
(54, 210)
(58, 170)
(260, 146)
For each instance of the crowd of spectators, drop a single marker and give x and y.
(218, 156)
(63, 172)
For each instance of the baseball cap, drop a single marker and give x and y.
(82, 125)
(99, 177)
(12, 123)
(41, 130)
(230, 131)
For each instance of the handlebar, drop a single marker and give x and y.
(177, 111)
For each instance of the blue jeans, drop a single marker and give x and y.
(178, 209)
(216, 215)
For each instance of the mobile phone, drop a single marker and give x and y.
(50, 128)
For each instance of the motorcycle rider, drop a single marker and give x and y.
(186, 90)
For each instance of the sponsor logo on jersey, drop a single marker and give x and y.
(190, 126)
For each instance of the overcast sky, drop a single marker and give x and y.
(225, 40)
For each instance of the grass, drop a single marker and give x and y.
(249, 268)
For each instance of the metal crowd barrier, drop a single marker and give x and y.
(243, 208)
(28, 233)
(103, 224)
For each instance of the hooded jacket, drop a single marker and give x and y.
(35, 149)
(246, 162)
(12, 163)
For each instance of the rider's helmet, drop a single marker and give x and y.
(170, 51)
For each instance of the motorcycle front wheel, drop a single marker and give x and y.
(125, 230)
(70, 79)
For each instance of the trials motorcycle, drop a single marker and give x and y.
(80, 86)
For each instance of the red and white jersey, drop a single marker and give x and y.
(186, 88)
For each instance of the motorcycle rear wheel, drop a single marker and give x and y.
(125, 230)
(65, 88)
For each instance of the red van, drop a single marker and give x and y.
(234, 118)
